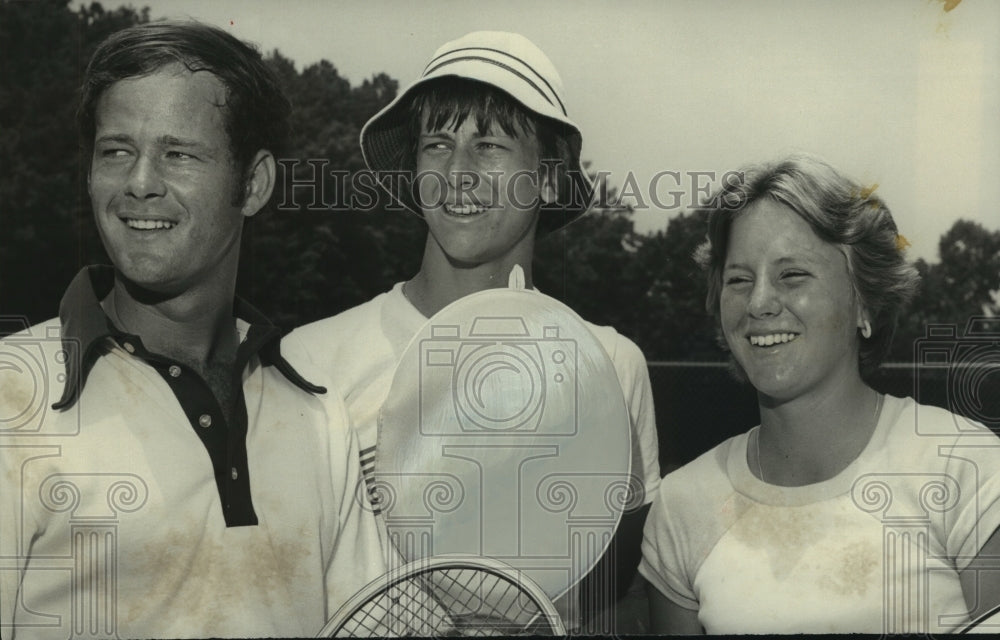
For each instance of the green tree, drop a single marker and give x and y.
(963, 285)
(674, 323)
(44, 209)
(315, 256)
(969, 268)
(317, 253)
(647, 286)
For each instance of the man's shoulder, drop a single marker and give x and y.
(324, 411)
(46, 329)
(38, 347)
(33, 373)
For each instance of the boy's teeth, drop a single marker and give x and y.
(147, 225)
(463, 210)
(773, 338)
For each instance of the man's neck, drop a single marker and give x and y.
(196, 327)
(439, 282)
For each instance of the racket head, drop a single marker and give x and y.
(505, 435)
(988, 622)
(454, 595)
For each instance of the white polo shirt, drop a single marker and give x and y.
(137, 511)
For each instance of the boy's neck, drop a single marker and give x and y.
(439, 283)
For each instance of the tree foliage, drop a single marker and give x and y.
(44, 210)
(647, 286)
(964, 285)
(314, 254)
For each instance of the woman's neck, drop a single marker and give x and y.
(815, 436)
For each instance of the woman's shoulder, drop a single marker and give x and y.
(910, 416)
(704, 478)
(695, 505)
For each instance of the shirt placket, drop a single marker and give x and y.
(225, 442)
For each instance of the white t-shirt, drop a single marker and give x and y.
(875, 549)
(360, 348)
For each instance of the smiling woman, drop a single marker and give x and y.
(787, 305)
(807, 278)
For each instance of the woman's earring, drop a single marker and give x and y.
(866, 330)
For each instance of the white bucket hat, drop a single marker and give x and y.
(508, 61)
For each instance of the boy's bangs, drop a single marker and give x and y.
(449, 102)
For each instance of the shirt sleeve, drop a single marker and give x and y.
(662, 558)
(11, 562)
(18, 521)
(633, 374)
(974, 463)
(358, 557)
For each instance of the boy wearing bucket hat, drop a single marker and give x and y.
(490, 160)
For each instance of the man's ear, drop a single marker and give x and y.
(260, 182)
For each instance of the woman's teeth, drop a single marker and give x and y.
(773, 338)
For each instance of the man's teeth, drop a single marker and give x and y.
(463, 210)
(147, 225)
(773, 338)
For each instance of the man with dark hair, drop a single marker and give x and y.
(180, 478)
(495, 162)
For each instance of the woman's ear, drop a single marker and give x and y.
(864, 324)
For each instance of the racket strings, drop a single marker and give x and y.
(483, 603)
(448, 602)
(403, 609)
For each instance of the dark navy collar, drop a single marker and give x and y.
(85, 326)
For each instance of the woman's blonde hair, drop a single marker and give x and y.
(841, 212)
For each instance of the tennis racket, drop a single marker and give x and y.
(985, 623)
(447, 596)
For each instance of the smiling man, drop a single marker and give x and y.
(495, 162)
(186, 481)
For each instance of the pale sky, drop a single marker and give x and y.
(897, 92)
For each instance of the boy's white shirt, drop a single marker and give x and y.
(360, 348)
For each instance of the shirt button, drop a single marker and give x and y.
(205, 420)
(234, 474)
(129, 347)
(175, 371)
